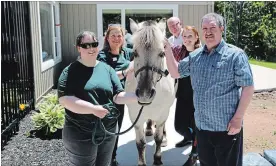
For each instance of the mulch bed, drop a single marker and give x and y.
(22, 150)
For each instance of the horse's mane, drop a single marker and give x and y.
(148, 36)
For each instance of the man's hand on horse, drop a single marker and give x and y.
(167, 44)
(234, 126)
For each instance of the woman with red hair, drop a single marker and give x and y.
(184, 110)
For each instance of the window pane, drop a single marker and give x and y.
(46, 24)
(111, 16)
(139, 15)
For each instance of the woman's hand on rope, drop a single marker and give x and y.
(100, 111)
(130, 68)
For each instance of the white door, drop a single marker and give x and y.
(120, 14)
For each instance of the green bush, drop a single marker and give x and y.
(51, 115)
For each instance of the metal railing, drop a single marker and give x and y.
(17, 83)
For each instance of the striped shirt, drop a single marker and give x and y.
(217, 78)
(179, 52)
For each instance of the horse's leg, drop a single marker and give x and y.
(164, 141)
(158, 137)
(149, 131)
(141, 144)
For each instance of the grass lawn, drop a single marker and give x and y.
(271, 65)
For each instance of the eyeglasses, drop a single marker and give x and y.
(174, 25)
(89, 45)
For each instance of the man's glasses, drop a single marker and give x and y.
(89, 45)
(174, 25)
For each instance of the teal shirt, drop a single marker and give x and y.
(117, 62)
(96, 85)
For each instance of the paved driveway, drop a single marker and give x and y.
(127, 152)
(264, 78)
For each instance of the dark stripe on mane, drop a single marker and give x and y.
(149, 23)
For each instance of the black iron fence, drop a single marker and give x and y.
(17, 83)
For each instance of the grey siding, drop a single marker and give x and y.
(75, 18)
(192, 14)
(43, 80)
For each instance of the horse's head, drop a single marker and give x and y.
(149, 55)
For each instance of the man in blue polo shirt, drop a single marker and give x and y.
(223, 87)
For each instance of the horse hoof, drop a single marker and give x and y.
(149, 132)
(157, 163)
(164, 143)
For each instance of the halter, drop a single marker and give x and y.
(152, 68)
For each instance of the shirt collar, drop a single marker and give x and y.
(218, 49)
(179, 34)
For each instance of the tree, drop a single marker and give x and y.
(251, 26)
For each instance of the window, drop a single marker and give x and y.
(120, 14)
(49, 34)
(147, 14)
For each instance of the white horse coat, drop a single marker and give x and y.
(148, 45)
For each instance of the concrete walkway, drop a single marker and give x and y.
(264, 78)
(127, 155)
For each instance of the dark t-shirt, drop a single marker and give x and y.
(96, 85)
(117, 62)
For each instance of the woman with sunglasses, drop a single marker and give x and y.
(88, 88)
(118, 57)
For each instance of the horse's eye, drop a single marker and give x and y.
(135, 54)
(162, 54)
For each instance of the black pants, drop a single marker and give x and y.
(121, 109)
(81, 150)
(219, 148)
(184, 110)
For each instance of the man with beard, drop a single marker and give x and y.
(223, 87)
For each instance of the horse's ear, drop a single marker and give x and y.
(162, 25)
(133, 26)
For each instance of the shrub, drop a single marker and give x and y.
(51, 115)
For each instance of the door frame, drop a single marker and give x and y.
(123, 7)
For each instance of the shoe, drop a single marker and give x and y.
(183, 143)
(114, 162)
(192, 160)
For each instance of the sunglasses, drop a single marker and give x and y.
(89, 45)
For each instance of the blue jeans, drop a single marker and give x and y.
(82, 152)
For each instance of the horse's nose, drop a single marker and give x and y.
(152, 93)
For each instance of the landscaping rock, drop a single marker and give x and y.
(255, 159)
(270, 155)
(22, 150)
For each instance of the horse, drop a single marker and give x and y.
(152, 84)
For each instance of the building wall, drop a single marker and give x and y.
(77, 16)
(192, 14)
(43, 80)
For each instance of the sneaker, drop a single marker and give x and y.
(192, 160)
